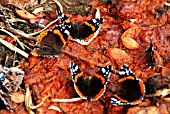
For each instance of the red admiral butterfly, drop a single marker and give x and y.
(87, 31)
(90, 87)
(51, 42)
(132, 88)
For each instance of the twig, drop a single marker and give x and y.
(16, 20)
(21, 33)
(13, 48)
(28, 101)
(162, 93)
(67, 100)
(35, 33)
(59, 5)
(167, 4)
(97, 15)
(9, 33)
(55, 108)
(43, 2)
(30, 36)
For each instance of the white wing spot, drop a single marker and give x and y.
(122, 73)
(76, 68)
(94, 20)
(67, 32)
(103, 70)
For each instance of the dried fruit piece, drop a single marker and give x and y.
(24, 14)
(130, 43)
(131, 32)
(128, 38)
(18, 97)
(117, 53)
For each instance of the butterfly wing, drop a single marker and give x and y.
(50, 42)
(87, 31)
(90, 87)
(132, 88)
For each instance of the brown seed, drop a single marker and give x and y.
(117, 53)
(131, 32)
(130, 43)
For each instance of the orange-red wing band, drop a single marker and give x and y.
(142, 87)
(126, 78)
(122, 100)
(79, 92)
(56, 31)
(100, 77)
(136, 102)
(77, 76)
(99, 94)
(42, 35)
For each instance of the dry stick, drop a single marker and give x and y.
(52, 107)
(59, 5)
(28, 101)
(164, 92)
(43, 2)
(167, 4)
(67, 100)
(21, 33)
(13, 48)
(9, 33)
(16, 20)
(35, 33)
(97, 15)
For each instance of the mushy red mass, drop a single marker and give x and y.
(132, 19)
(52, 76)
